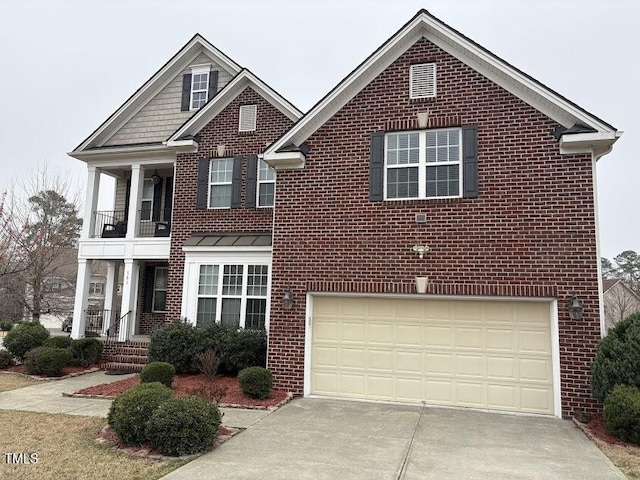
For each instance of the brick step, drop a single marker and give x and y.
(137, 351)
(122, 367)
(123, 358)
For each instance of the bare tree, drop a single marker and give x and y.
(39, 229)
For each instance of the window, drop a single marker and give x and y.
(266, 184)
(422, 80)
(425, 164)
(233, 295)
(248, 116)
(220, 182)
(160, 289)
(96, 288)
(147, 200)
(199, 87)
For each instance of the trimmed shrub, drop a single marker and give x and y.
(6, 326)
(30, 360)
(161, 372)
(57, 342)
(6, 358)
(25, 336)
(256, 382)
(86, 351)
(131, 411)
(617, 360)
(622, 413)
(238, 349)
(181, 426)
(51, 361)
(178, 343)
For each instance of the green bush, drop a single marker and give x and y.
(51, 361)
(622, 413)
(161, 372)
(86, 351)
(131, 411)
(25, 336)
(181, 426)
(617, 360)
(256, 382)
(57, 342)
(6, 358)
(178, 343)
(238, 349)
(6, 326)
(29, 362)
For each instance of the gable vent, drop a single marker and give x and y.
(248, 114)
(423, 81)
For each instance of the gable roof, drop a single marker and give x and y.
(234, 88)
(608, 284)
(423, 24)
(157, 82)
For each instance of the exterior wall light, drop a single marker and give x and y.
(575, 308)
(420, 250)
(155, 178)
(287, 299)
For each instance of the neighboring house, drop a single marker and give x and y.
(434, 158)
(619, 301)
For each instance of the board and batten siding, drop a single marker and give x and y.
(161, 116)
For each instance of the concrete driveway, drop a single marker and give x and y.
(326, 439)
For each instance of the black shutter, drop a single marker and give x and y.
(168, 199)
(127, 200)
(252, 175)
(157, 199)
(203, 183)
(376, 167)
(149, 278)
(186, 92)
(236, 186)
(213, 84)
(469, 161)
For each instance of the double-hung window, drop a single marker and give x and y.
(266, 184)
(199, 87)
(160, 289)
(233, 295)
(423, 164)
(147, 200)
(220, 182)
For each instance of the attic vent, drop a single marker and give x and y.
(423, 81)
(248, 114)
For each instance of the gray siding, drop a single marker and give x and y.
(161, 116)
(121, 193)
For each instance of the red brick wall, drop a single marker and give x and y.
(222, 130)
(148, 322)
(531, 231)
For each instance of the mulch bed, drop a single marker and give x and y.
(595, 429)
(224, 389)
(68, 372)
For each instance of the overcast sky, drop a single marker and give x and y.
(67, 65)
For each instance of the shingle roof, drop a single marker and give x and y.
(254, 239)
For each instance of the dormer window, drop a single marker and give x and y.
(198, 87)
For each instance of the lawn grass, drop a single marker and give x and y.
(11, 382)
(67, 449)
(625, 457)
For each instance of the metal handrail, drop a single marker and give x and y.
(110, 224)
(114, 327)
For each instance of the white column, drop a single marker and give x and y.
(110, 295)
(129, 298)
(91, 201)
(135, 198)
(82, 295)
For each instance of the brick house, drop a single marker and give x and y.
(435, 215)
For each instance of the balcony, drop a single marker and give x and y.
(113, 224)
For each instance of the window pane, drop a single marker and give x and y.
(266, 197)
(147, 190)
(257, 280)
(220, 196)
(402, 148)
(402, 182)
(266, 173)
(206, 311)
(161, 278)
(200, 81)
(208, 284)
(443, 146)
(443, 181)
(145, 211)
(159, 300)
(199, 99)
(232, 280)
(256, 313)
(230, 315)
(222, 170)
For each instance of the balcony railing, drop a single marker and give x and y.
(100, 321)
(113, 224)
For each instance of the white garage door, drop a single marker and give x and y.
(481, 354)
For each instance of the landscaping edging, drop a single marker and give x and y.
(50, 379)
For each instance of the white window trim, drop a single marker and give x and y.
(422, 165)
(193, 261)
(155, 283)
(211, 184)
(263, 182)
(199, 70)
(150, 200)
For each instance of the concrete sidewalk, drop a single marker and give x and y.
(47, 397)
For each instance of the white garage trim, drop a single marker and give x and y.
(554, 337)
